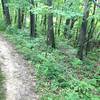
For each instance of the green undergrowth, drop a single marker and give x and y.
(2, 25)
(60, 75)
(2, 93)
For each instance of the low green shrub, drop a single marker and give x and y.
(2, 25)
(60, 75)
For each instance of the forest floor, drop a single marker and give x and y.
(58, 74)
(19, 76)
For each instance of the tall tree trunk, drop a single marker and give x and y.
(45, 24)
(90, 33)
(59, 25)
(32, 22)
(82, 35)
(6, 11)
(72, 23)
(22, 17)
(15, 17)
(19, 19)
(67, 24)
(56, 24)
(50, 35)
(66, 27)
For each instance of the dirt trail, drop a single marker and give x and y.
(20, 78)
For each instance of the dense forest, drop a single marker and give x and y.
(61, 39)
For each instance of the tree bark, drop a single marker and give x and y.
(66, 27)
(50, 35)
(32, 22)
(59, 25)
(19, 19)
(6, 11)
(90, 33)
(83, 32)
(72, 23)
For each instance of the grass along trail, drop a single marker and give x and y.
(20, 78)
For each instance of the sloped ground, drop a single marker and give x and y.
(2, 90)
(60, 75)
(20, 78)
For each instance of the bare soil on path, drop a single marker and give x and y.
(20, 77)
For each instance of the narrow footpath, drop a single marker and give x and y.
(20, 77)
